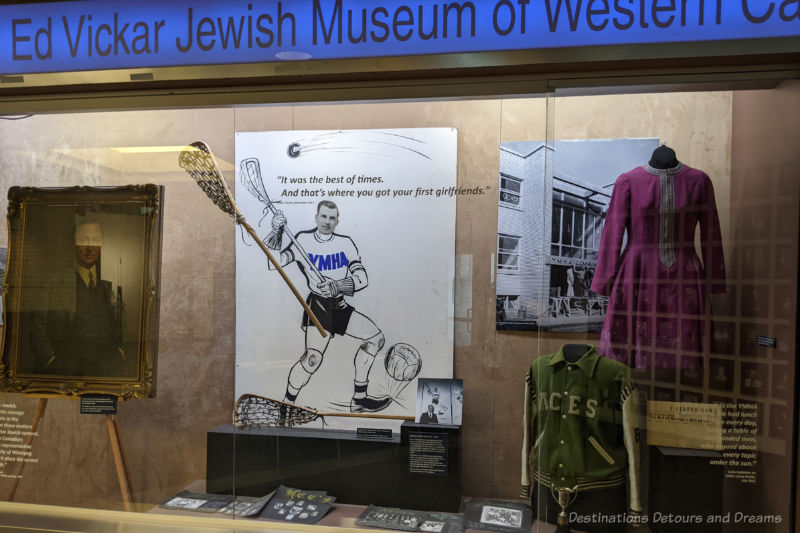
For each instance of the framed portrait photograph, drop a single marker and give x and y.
(663, 394)
(690, 397)
(779, 422)
(666, 367)
(723, 337)
(82, 291)
(721, 374)
(754, 379)
(692, 371)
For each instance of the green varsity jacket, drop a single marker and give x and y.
(580, 421)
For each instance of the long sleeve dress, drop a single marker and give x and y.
(656, 285)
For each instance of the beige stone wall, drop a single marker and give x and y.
(164, 438)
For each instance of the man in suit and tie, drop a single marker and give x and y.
(429, 417)
(79, 332)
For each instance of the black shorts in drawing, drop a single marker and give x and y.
(333, 313)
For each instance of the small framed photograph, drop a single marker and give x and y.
(753, 263)
(720, 375)
(723, 337)
(501, 516)
(662, 394)
(692, 370)
(644, 395)
(778, 421)
(440, 401)
(724, 304)
(754, 300)
(82, 291)
(784, 342)
(666, 367)
(748, 340)
(785, 263)
(644, 365)
(691, 397)
(781, 382)
(754, 379)
(497, 515)
(785, 301)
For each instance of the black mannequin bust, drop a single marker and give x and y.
(663, 157)
(574, 352)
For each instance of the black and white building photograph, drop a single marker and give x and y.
(553, 197)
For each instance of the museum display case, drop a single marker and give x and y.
(428, 278)
(708, 393)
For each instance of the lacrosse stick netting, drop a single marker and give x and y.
(257, 411)
(250, 176)
(253, 411)
(200, 164)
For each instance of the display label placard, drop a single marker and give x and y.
(98, 404)
(427, 453)
(684, 425)
(374, 433)
(769, 342)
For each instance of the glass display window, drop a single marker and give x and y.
(696, 303)
(633, 251)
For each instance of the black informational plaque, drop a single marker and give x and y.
(374, 433)
(98, 404)
(427, 453)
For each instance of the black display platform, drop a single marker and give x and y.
(418, 469)
(683, 482)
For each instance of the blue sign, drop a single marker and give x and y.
(92, 35)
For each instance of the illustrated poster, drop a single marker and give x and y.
(375, 261)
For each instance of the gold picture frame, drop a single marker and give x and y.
(81, 291)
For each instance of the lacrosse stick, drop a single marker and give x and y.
(250, 174)
(200, 164)
(255, 411)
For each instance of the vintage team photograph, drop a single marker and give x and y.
(500, 516)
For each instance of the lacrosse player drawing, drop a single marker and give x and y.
(333, 270)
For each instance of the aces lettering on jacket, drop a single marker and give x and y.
(570, 404)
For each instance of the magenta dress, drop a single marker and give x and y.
(657, 284)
